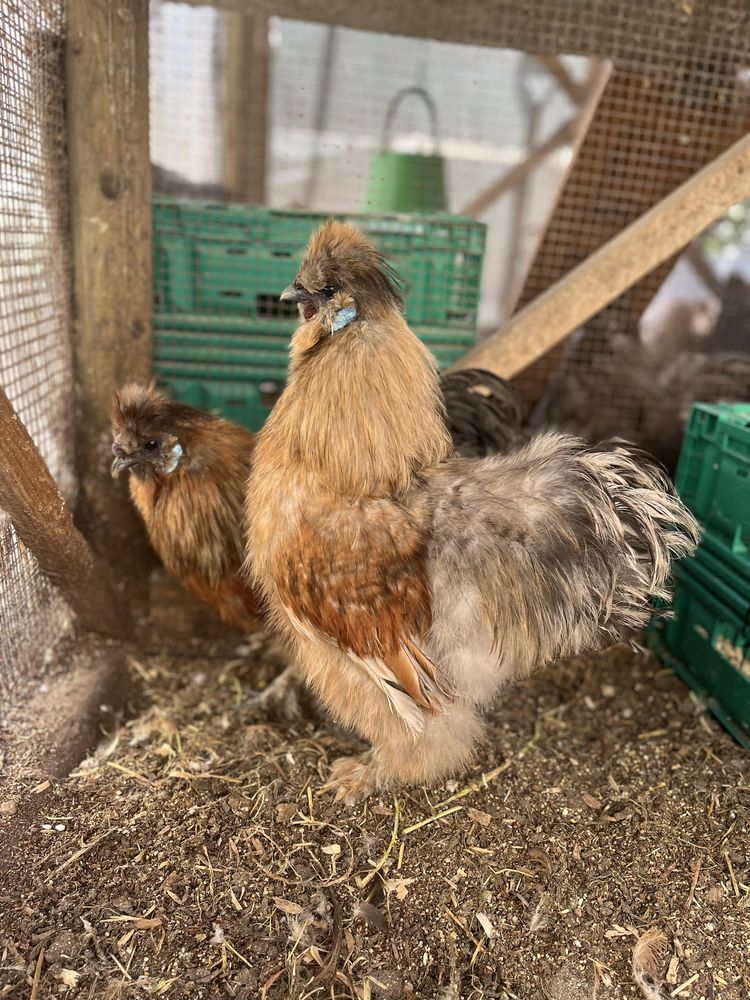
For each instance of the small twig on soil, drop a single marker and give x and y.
(131, 773)
(392, 843)
(37, 974)
(477, 786)
(696, 873)
(431, 819)
(231, 947)
(731, 874)
(460, 923)
(193, 776)
(683, 986)
(82, 850)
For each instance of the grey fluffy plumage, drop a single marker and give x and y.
(558, 548)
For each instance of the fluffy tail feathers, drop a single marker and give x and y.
(553, 550)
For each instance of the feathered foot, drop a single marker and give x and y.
(352, 778)
(282, 699)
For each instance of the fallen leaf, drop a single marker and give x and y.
(591, 801)
(285, 811)
(483, 818)
(287, 905)
(398, 886)
(69, 977)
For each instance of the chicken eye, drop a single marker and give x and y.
(328, 291)
(151, 445)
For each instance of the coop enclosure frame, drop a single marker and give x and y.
(99, 559)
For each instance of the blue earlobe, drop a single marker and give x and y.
(343, 318)
(174, 458)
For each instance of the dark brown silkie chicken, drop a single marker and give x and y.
(188, 474)
(482, 412)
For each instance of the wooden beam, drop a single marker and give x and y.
(562, 135)
(575, 91)
(655, 237)
(32, 500)
(110, 192)
(615, 31)
(645, 138)
(245, 106)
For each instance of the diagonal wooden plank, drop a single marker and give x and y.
(649, 134)
(29, 495)
(618, 265)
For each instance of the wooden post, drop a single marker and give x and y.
(619, 264)
(31, 498)
(110, 191)
(245, 110)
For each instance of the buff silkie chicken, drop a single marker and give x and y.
(188, 471)
(413, 583)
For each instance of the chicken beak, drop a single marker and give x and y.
(122, 462)
(292, 294)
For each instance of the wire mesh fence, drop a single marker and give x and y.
(553, 153)
(35, 347)
(485, 169)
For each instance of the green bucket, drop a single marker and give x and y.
(406, 182)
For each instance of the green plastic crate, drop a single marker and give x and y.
(713, 477)
(221, 335)
(718, 559)
(246, 402)
(238, 376)
(707, 643)
(228, 263)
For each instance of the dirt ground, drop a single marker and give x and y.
(599, 848)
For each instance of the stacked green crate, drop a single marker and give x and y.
(708, 638)
(221, 335)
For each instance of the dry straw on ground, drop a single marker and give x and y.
(598, 849)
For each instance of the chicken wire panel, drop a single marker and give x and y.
(655, 127)
(353, 122)
(35, 344)
(338, 119)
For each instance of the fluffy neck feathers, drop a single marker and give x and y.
(362, 409)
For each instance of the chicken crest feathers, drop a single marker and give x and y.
(339, 254)
(142, 410)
